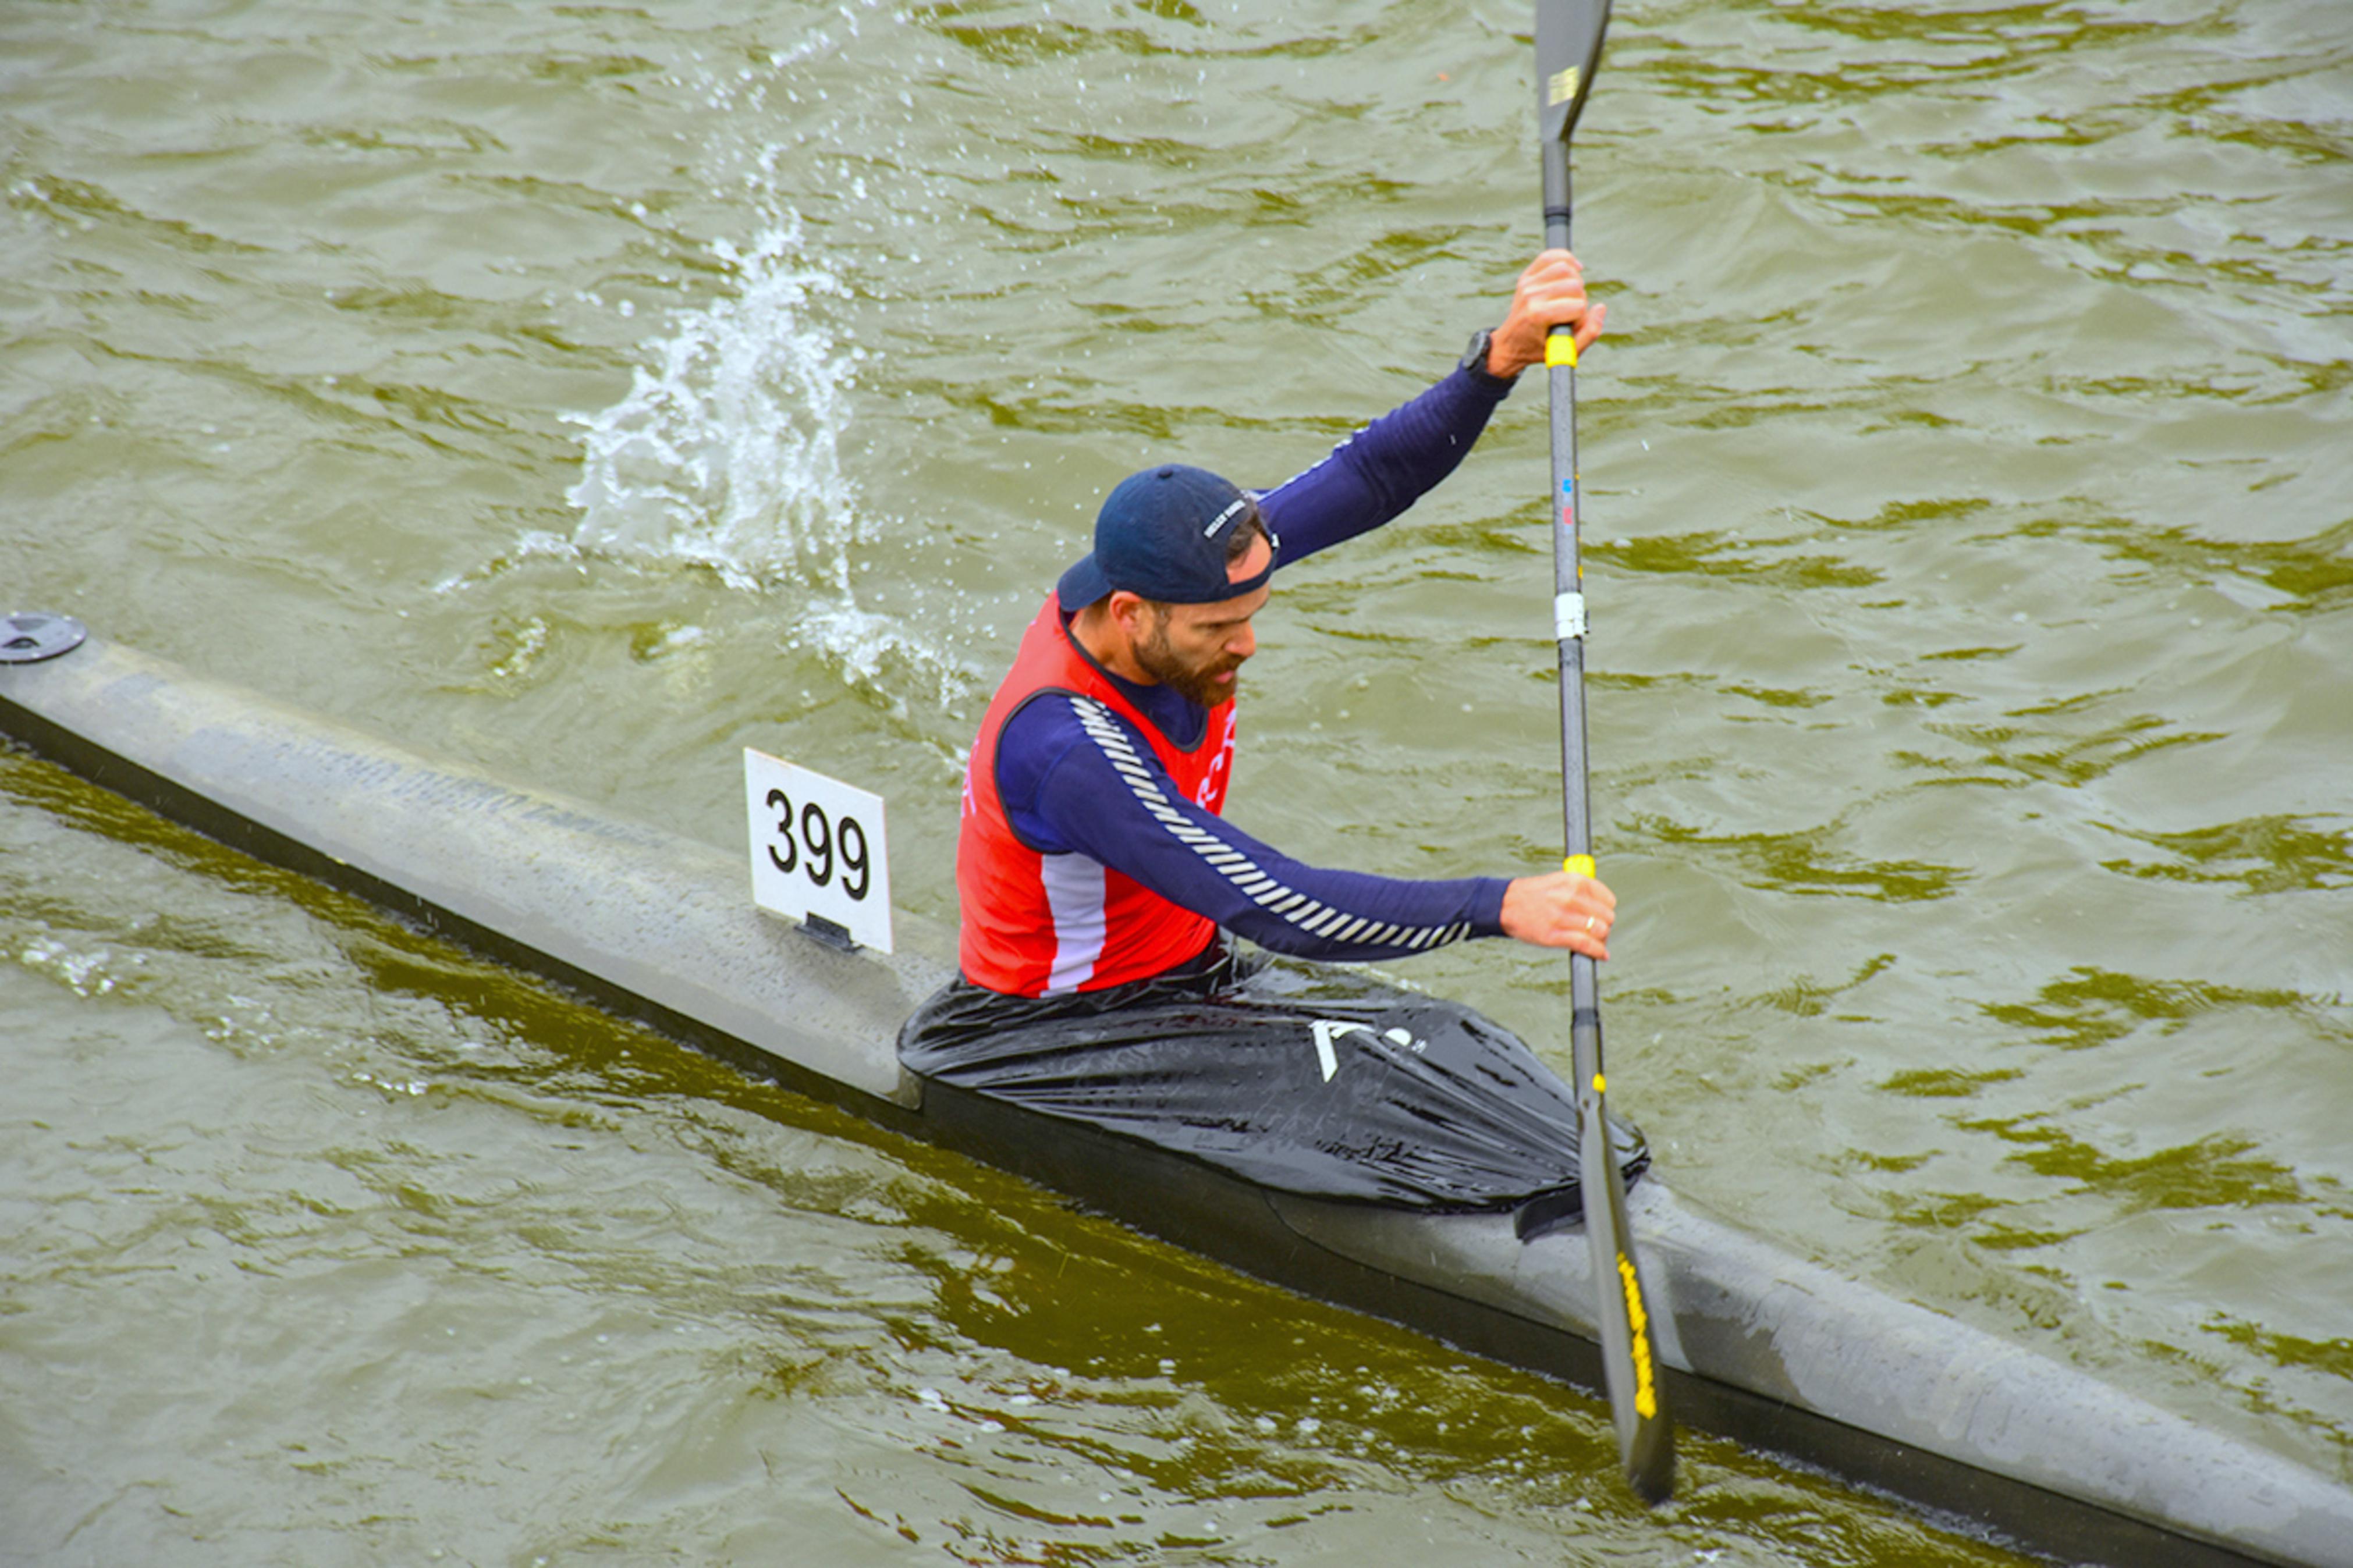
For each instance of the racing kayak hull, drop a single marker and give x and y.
(1759, 1345)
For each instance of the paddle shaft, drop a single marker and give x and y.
(1568, 600)
(1569, 42)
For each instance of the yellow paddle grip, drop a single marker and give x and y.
(1579, 865)
(1560, 348)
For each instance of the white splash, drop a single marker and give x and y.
(726, 453)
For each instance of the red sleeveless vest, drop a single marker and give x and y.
(1040, 925)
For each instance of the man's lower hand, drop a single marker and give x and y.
(1561, 908)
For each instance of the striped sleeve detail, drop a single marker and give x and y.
(1319, 920)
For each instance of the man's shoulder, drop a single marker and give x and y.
(1043, 728)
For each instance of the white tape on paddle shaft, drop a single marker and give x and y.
(1567, 616)
(818, 849)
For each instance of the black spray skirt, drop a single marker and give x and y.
(1296, 1077)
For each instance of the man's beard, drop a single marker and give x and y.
(1160, 661)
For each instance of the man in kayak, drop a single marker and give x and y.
(1096, 873)
(1093, 865)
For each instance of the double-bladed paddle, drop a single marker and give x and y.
(1568, 48)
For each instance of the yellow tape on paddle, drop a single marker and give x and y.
(1579, 866)
(1561, 349)
(1646, 1393)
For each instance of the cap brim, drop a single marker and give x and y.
(1082, 584)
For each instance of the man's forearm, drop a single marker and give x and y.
(1384, 469)
(1104, 799)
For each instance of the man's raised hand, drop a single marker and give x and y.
(1550, 292)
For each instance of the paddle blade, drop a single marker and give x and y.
(1638, 1396)
(1568, 49)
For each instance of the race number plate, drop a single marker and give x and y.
(817, 849)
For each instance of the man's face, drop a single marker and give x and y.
(1197, 648)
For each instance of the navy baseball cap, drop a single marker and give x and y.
(1161, 533)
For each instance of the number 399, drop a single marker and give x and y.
(817, 846)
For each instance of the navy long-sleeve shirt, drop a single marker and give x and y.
(1065, 792)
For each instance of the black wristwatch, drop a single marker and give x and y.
(1474, 358)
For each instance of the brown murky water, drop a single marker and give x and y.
(592, 391)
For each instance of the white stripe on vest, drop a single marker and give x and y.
(1074, 891)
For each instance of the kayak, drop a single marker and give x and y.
(1756, 1344)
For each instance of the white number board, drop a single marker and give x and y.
(817, 848)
